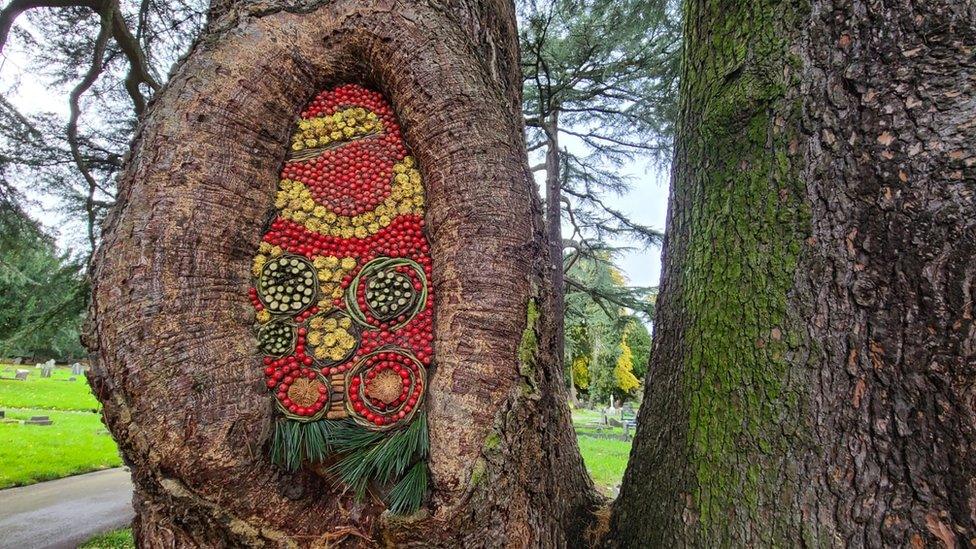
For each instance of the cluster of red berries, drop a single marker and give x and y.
(283, 372)
(377, 408)
(350, 179)
(252, 294)
(403, 237)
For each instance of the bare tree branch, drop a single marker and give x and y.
(74, 103)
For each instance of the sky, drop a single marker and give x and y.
(646, 203)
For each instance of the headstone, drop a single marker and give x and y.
(46, 371)
(18, 360)
(615, 423)
(38, 420)
(21, 375)
(77, 369)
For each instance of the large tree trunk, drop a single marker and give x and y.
(812, 379)
(175, 360)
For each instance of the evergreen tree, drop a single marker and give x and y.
(42, 294)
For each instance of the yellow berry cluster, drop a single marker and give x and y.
(331, 338)
(344, 125)
(406, 197)
(331, 271)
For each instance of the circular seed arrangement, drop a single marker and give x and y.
(389, 294)
(387, 291)
(304, 394)
(287, 285)
(385, 388)
(277, 338)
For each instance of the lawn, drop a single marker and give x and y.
(605, 458)
(76, 443)
(117, 539)
(53, 393)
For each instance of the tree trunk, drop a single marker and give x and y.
(554, 233)
(175, 361)
(814, 354)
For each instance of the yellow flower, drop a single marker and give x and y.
(348, 263)
(408, 161)
(360, 232)
(264, 247)
(276, 251)
(314, 338)
(263, 316)
(346, 232)
(399, 168)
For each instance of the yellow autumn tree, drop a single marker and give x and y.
(627, 382)
(581, 372)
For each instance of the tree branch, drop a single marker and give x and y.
(74, 103)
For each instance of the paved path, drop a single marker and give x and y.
(65, 512)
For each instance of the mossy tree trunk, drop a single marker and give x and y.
(175, 361)
(812, 379)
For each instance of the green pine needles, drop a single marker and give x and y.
(364, 456)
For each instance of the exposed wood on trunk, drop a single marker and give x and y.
(815, 351)
(175, 361)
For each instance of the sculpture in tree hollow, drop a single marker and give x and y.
(342, 302)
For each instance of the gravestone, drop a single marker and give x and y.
(17, 361)
(46, 371)
(22, 375)
(38, 420)
(77, 369)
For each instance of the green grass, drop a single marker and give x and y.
(116, 539)
(76, 443)
(605, 458)
(53, 393)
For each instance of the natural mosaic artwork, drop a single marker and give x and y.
(343, 300)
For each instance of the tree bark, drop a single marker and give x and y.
(812, 378)
(175, 361)
(554, 233)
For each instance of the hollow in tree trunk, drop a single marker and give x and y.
(177, 366)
